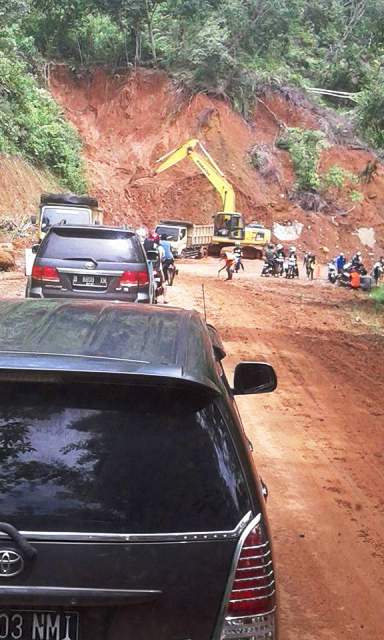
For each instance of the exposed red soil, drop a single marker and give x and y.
(21, 185)
(127, 122)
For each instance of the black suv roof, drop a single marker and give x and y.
(139, 341)
(91, 228)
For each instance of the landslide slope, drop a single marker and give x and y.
(20, 187)
(128, 121)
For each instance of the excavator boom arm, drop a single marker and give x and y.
(195, 151)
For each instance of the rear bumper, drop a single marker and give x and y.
(38, 292)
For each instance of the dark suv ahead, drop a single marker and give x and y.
(130, 506)
(105, 263)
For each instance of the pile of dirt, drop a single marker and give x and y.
(128, 121)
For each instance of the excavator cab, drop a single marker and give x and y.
(228, 226)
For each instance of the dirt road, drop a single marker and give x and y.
(318, 441)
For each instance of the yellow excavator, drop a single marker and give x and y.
(229, 225)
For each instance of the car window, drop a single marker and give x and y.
(115, 459)
(103, 246)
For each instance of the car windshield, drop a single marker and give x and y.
(100, 245)
(170, 232)
(65, 215)
(111, 458)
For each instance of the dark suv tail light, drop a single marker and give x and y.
(251, 601)
(45, 274)
(130, 278)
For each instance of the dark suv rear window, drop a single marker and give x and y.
(102, 245)
(115, 459)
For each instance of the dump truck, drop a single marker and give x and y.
(61, 208)
(66, 208)
(187, 240)
(229, 226)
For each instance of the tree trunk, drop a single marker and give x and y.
(150, 14)
(137, 47)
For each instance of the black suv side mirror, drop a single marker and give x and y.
(33, 219)
(35, 248)
(254, 377)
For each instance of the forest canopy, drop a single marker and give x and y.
(230, 48)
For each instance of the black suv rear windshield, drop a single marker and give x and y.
(115, 460)
(102, 245)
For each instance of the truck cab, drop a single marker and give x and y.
(176, 235)
(66, 208)
(188, 240)
(61, 209)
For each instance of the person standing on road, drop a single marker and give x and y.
(309, 263)
(238, 256)
(357, 260)
(229, 264)
(340, 262)
(280, 251)
(292, 256)
(168, 255)
(152, 244)
(378, 270)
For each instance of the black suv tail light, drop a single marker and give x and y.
(250, 607)
(130, 278)
(45, 274)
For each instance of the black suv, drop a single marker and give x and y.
(130, 506)
(105, 263)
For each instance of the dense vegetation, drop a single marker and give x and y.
(229, 47)
(31, 124)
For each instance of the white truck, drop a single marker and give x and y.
(187, 240)
(61, 208)
(66, 208)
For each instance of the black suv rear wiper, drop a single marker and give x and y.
(25, 547)
(82, 258)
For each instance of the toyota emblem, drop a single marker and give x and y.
(90, 265)
(11, 563)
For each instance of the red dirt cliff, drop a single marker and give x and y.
(128, 121)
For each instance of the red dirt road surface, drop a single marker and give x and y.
(318, 440)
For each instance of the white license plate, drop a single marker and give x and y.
(38, 625)
(90, 281)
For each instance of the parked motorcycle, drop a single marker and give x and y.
(343, 279)
(291, 270)
(279, 266)
(268, 269)
(159, 287)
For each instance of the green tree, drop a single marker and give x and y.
(304, 146)
(370, 110)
